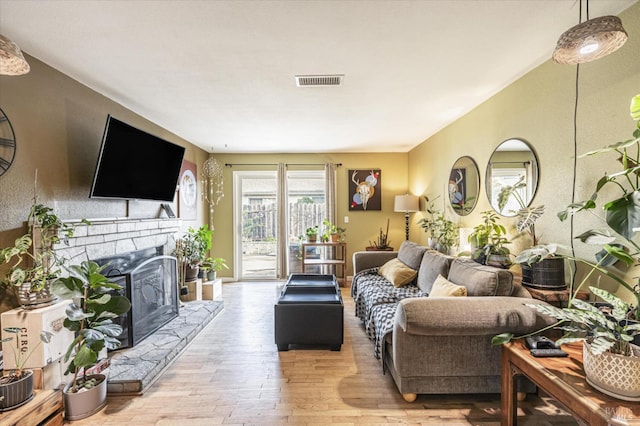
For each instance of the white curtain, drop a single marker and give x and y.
(330, 192)
(282, 268)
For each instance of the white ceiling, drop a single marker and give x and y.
(220, 74)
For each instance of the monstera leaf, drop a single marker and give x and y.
(623, 214)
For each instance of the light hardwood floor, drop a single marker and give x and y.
(233, 374)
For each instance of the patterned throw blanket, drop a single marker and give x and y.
(376, 301)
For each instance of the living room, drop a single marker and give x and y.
(58, 124)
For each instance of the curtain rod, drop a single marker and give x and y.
(275, 164)
(511, 162)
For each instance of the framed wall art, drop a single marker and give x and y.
(188, 191)
(364, 190)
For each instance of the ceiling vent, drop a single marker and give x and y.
(319, 80)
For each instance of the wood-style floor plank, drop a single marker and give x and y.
(232, 374)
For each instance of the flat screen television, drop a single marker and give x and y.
(134, 164)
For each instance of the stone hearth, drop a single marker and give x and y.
(133, 370)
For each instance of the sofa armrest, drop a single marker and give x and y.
(371, 259)
(468, 316)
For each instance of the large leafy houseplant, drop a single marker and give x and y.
(32, 260)
(443, 232)
(488, 239)
(95, 304)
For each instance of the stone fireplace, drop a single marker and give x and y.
(137, 252)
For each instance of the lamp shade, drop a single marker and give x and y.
(11, 60)
(590, 40)
(406, 203)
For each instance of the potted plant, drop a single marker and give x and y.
(312, 234)
(541, 271)
(33, 264)
(213, 265)
(16, 387)
(95, 303)
(488, 241)
(191, 250)
(611, 361)
(332, 232)
(443, 232)
(382, 244)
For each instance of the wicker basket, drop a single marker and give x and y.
(615, 375)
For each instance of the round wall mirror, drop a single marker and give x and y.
(512, 177)
(464, 185)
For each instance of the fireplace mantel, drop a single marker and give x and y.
(107, 238)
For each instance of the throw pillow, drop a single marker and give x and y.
(444, 288)
(397, 272)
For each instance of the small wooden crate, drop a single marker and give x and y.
(195, 291)
(212, 289)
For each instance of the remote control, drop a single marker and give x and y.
(543, 353)
(540, 342)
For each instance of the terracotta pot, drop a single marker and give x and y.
(86, 403)
(615, 375)
(15, 394)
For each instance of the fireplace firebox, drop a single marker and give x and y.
(149, 280)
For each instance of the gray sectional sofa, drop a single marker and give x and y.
(439, 345)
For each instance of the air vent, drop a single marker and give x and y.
(319, 80)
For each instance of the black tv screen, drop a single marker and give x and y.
(134, 164)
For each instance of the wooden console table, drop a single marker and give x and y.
(562, 379)
(333, 254)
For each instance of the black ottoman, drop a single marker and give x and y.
(309, 312)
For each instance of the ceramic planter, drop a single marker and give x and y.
(15, 394)
(86, 403)
(548, 274)
(211, 275)
(32, 299)
(615, 375)
(192, 273)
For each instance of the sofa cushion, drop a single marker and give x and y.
(480, 280)
(445, 288)
(433, 264)
(397, 272)
(411, 254)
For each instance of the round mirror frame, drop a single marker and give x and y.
(462, 199)
(530, 176)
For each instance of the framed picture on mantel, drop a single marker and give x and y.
(188, 191)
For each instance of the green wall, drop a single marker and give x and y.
(539, 108)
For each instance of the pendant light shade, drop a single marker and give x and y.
(590, 40)
(11, 60)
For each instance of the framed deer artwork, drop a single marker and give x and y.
(364, 190)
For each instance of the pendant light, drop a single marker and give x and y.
(590, 40)
(11, 60)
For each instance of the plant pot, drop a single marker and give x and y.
(498, 261)
(548, 274)
(15, 394)
(33, 299)
(86, 403)
(312, 239)
(615, 375)
(211, 275)
(191, 273)
(373, 248)
(335, 238)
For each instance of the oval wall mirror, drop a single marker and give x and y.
(512, 177)
(464, 185)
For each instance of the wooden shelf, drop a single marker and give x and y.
(44, 409)
(333, 255)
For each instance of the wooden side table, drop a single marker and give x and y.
(557, 298)
(334, 255)
(563, 379)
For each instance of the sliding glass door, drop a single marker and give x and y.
(257, 225)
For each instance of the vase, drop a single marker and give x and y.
(15, 394)
(86, 403)
(615, 375)
(33, 299)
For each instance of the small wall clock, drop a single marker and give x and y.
(7, 143)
